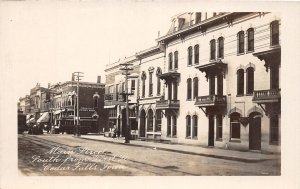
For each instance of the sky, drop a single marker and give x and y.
(45, 42)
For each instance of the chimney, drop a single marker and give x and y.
(98, 79)
(72, 76)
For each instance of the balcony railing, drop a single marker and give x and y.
(111, 96)
(265, 96)
(167, 104)
(210, 100)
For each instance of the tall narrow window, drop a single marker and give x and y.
(158, 117)
(219, 127)
(143, 84)
(195, 127)
(158, 73)
(241, 42)
(235, 126)
(189, 89)
(274, 74)
(150, 84)
(188, 126)
(150, 120)
(213, 49)
(274, 129)
(275, 33)
(190, 56)
(195, 83)
(196, 52)
(170, 91)
(168, 125)
(221, 47)
(212, 85)
(240, 82)
(250, 80)
(250, 34)
(175, 90)
(176, 60)
(174, 124)
(220, 85)
(170, 61)
(133, 86)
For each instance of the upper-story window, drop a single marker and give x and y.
(190, 56)
(250, 34)
(150, 84)
(133, 86)
(189, 89)
(176, 60)
(274, 33)
(143, 77)
(250, 80)
(241, 42)
(240, 82)
(195, 83)
(158, 73)
(213, 49)
(221, 47)
(196, 52)
(170, 61)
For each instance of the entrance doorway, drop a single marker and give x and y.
(142, 123)
(255, 131)
(211, 130)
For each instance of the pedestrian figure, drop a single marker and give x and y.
(118, 133)
(114, 130)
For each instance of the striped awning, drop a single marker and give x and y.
(44, 118)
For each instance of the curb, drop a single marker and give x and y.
(232, 158)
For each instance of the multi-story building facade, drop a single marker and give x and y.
(114, 101)
(228, 80)
(219, 82)
(63, 106)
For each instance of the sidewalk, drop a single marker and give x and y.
(189, 149)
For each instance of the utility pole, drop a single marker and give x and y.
(126, 70)
(78, 76)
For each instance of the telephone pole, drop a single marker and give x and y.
(126, 68)
(77, 76)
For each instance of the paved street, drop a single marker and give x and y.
(66, 155)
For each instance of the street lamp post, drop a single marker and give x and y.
(78, 78)
(126, 70)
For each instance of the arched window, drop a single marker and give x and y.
(274, 29)
(150, 120)
(143, 84)
(250, 34)
(212, 49)
(195, 83)
(189, 89)
(240, 82)
(188, 126)
(190, 56)
(250, 80)
(150, 84)
(158, 117)
(221, 47)
(158, 73)
(170, 61)
(176, 60)
(219, 127)
(196, 52)
(241, 42)
(235, 126)
(195, 126)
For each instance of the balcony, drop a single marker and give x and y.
(167, 104)
(266, 96)
(171, 75)
(210, 101)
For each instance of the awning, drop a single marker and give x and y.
(132, 106)
(29, 116)
(56, 112)
(44, 118)
(108, 107)
(32, 120)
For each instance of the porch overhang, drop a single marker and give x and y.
(213, 68)
(271, 56)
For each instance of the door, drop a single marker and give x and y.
(255, 131)
(142, 123)
(211, 130)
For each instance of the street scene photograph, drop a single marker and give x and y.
(113, 91)
(203, 99)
